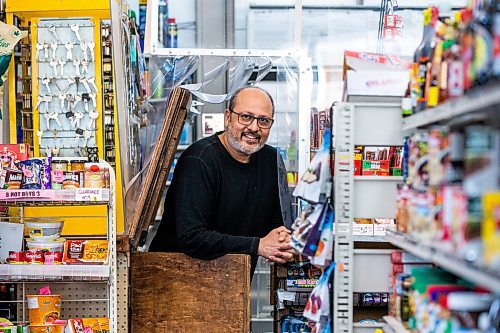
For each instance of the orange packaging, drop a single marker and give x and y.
(43, 309)
(46, 328)
(85, 325)
(78, 251)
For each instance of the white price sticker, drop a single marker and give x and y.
(32, 302)
(88, 194)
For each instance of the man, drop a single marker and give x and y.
(224, 193)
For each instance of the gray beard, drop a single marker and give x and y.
(235, 143)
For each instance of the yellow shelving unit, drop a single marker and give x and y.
(27, 14)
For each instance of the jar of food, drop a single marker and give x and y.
(59, 165)
(78, 165)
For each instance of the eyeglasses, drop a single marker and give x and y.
(247, 119)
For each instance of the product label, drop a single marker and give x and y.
(32, 303)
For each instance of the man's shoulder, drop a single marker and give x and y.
(202, 148)
(268, 151)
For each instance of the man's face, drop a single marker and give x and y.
(248, 139)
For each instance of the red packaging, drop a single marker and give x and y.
(10, 153)
(16, 258)
(53, 258)
(34, 257)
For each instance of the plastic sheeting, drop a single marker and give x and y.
(207, 77)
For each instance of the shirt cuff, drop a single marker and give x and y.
(255, 246)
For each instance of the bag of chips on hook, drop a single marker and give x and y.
(314, 186)
(318, 304)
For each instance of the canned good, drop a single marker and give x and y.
(59, 165)
(34, 257)
(53, 257)
(17, 258)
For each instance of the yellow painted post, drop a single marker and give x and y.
(12, 94)
(35, 87)
(99, 130)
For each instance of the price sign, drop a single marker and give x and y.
(12, 195)
(88, 194)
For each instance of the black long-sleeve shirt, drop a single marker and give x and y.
(216, 205)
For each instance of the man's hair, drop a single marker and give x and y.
(232, 100)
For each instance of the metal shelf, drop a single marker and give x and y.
(394, 325)
(380, 178)
(475, 101)
(80, 196)
(471, 271)
(53, 272)
(372, 239)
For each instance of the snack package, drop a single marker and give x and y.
(376, 161)
(11, 179)
(318, 304)
(32, 170)
(324, 251)
(313, 185)
(88, 325)
(45, 173)
(314, 236)
(13, 153)
(358, 158)
(81, 252)
(303, 226)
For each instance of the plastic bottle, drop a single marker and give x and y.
(172, 33)
(422, 58)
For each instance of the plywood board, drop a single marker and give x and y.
(159, 167)
(171, 292)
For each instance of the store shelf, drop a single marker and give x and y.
(380, 178)
(372, 239)
(394, 325)
(53, 272)
(79, 196)
(474, 272)
(475, 101)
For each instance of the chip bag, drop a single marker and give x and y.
(318, 304)
(313, 185)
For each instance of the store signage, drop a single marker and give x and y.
(11, 195)
(88, 194)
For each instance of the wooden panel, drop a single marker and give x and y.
(171, 292)
(159, 167)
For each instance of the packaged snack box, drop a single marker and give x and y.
(81, 252)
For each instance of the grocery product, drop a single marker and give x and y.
(44, 229)
(78, 251)
(43, 309)
(46, 328)
(88, 325)
(57, 245)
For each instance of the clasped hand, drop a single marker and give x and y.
(275, 246)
